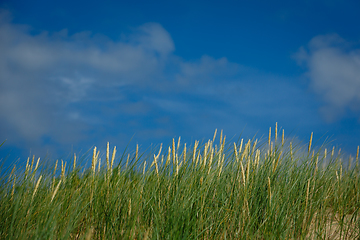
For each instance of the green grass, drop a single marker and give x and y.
(244, 190)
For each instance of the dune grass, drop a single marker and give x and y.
(243, 190)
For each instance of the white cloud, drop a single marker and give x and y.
(41, 74)
(53, 83)
(334, 71)
(78, 87)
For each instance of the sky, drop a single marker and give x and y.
(78, 74)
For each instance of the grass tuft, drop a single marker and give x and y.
(260, 190)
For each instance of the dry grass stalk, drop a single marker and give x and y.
(144, 167)
(198, 159)
(99, 165)
(214, 135)
(236, 153)
(325, 154)
(173, 152)
(27, 169)
(32, 163)
(277, 161)
(242, 173)
(178, 145)
(37, 165)
(269, 141)
(221, 135)
(63, 167)
(257, 158)
(253, 147)
(194, 150)
(275, 132)
(36, 187)
(113, 159)
(107, 157)
(53, 182)
(211, 159)
(56, 190)
(207, 145)
(177, 164)
(316, 164)
(137, 152)
(241, 144)
(155, 163)
(74, 164)
(168, 157)
(311, 137)
(221, 165)
(184, 153)
(357, 156)
(129, 208)
(93, 162)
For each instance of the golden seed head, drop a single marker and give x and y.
(241, 144)
(214, 135)
(178, 145)
(184, 153)
(37, 186)
(173, 151)
(311, 137)
(56, 190)
(108, 156)
(144, 167)
(74, 165)
(113, 157)
(221, 134)
(137, 152)
(32, 163)
(37, 165)
(236, 153)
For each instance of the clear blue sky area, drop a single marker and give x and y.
(74, 74)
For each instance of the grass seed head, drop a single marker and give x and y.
(36, 187)
(214, 135)
(311, 137)
(269, 140)
(357, 156)
(55, 191)
(113, 158)
(74, 164)
(108, 156)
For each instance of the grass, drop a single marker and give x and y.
(244, 190)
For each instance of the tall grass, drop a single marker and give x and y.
(244, 190)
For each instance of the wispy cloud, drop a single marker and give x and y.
(58, 89)
(334, 72)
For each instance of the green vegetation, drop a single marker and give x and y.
(239, 190)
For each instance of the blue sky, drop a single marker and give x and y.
(74, 74)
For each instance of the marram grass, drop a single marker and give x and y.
(244, 190)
